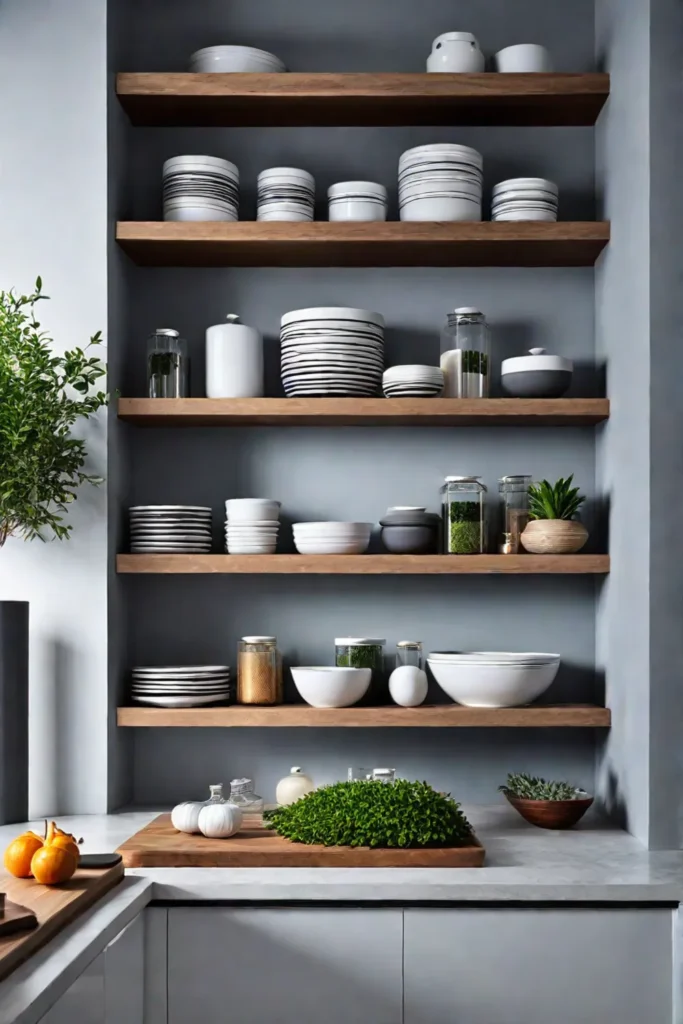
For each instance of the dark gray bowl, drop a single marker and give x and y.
(537, 383)
(410, 540)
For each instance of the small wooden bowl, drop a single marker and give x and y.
(558, 814)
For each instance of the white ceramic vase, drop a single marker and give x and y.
(456, 52)
(234, 360)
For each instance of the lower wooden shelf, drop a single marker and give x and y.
(435, 716)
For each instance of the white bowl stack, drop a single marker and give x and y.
(358, 201)
(170, 529)
(200, 188)
(440, 182)
(285, 193)
(251, 526)
(332, 538)
(181, 686)
(525, 199)
(332, 351)
(493, 679)
(412, 381)
(225, 59)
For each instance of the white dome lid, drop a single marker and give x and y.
(538, 359)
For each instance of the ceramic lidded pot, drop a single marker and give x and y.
(293, 786)
(234, 360)
(536, 375)
(456, 52)
(410, 532)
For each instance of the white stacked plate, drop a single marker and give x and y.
(525, 199)
(251, 526)
(226, 59)
(412, 381)
(200, 188)
(440, 182)
(181, 686)
(358, 201)
(493, 679)
(285, 193)
(331, 538)
(170, 529)
(332, 351)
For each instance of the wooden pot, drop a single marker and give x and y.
(554, 536)
(558, 814)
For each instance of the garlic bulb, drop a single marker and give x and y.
(185, 816)
(293, 787)
(218, 821)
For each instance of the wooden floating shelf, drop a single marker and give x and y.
(387, 244)
(295, 99)
(360, 565)
(442, 716)
(428, 412)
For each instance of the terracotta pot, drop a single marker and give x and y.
(554, 536)
(559, 814)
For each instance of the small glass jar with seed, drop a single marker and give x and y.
(464, 515)
(514, 512)
(409, 652)
(259, 671)
(168, 365)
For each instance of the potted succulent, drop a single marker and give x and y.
(552, 528)
(43, 395)
(557, 805)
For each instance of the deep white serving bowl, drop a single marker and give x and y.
(331, 687)
(495, 657)
(527, 58)
(324, 529)
(492, 686)
(249, 510)
(225, 59)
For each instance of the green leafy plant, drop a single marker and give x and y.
(464, 528)
(361, 656)
(527, 787)
(554, 501)
(372, 813)
(42, 396)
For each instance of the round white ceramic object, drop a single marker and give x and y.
(220, 821)
(524, 58)
(456, 52)
(538, 359)
(252, 510)
(492, 686)
(357, 210)
(293, 787)
(234, 360)
(331, 687)
(408, 686)
(441, 209)
(198, 213)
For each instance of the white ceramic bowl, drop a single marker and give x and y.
(225, 59)
(338, 529)
(495, 657)
(331, 687)
(525, 58)
(277, 213)
(238, 548)
(492, 686)
(332, 317)
(331, 547)
(356, 210)
(198, 213)
(247, 510)
(201, 164)
(441, 210)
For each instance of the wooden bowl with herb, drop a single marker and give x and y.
(555, 805)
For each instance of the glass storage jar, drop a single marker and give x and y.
(465, 354)
(359, 652)
(242, 795)
(409, 652)
(168, 365)
(464, 515)
(259, 671)
(514, 512)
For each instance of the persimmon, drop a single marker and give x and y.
(53, 864)
(20, 852)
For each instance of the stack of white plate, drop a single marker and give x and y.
(170, 529)
(224, 59)
(525, 199)
(357, 200)
(251, 526)
(285, 193)
(493, 679)
(412, 381)
(332, 350)
(201, 188)
(181, 686)
(440, 182)
(332, 538)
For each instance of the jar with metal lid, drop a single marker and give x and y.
(409, 652)
(259, 671)
(359, 652)
(168, 365)
(242, 795)
(464, 515)
(383, 774)
(465, 354)
(514, 512)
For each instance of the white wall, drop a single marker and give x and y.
(53, 193)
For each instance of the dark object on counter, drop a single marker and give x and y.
(99, 861)
(555, 814)
(13, 711)
(15, 918)
(411, 533)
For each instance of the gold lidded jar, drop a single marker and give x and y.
(514, 512)
(259, 671)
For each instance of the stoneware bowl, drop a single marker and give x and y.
(554, 536)
(410, 540)
(326, 687)
(557, 814)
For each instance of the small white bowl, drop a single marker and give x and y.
(198, 213)
(484, 685)
(278, 212)
(441, 210)
(356, 210)
(524, 58)
(250, 510)
(227, 59)
(331, 687)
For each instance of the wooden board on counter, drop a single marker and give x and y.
(54, 906)
(160, 845)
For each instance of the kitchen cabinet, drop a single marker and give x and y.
(83, 1001)
(498, 966)
(286, 964)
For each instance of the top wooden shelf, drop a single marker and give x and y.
(362, 99)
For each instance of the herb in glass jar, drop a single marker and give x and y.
(359, 652)
(464, 527)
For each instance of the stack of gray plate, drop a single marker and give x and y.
(332, 351)
(525, 199)
(170, 529)
(440, 182)
(181, 686)
(201, 188)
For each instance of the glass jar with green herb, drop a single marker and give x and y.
(168, 365)
(359, 652)
(465, 354)
(464, 515)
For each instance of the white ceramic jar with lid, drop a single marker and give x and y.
(293, 786)
(234, 360)
(456, 52)
(536, 375)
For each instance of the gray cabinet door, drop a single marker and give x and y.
(124, 975)
(538, 966)
(293, 966)
(83, 1001)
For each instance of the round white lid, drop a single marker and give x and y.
(454, 37)
(357, 641)
(462, 479)
(467, 311)
(259, 639)
(538, 359)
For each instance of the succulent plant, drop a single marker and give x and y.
(554, 501)
(528, 787)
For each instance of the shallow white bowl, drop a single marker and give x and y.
(528, 58)
(495, 657)
(492, 686)
(330, 546)
(235, 548)
(277, 214)
(517, 215)
(249, 510)
(441, 210)
(332, 687)
(198, 213)
(226, 59)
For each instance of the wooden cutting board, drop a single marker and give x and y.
(159, 845)
(54, 907)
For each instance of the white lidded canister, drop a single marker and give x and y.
(293, 787)
(234, 360)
